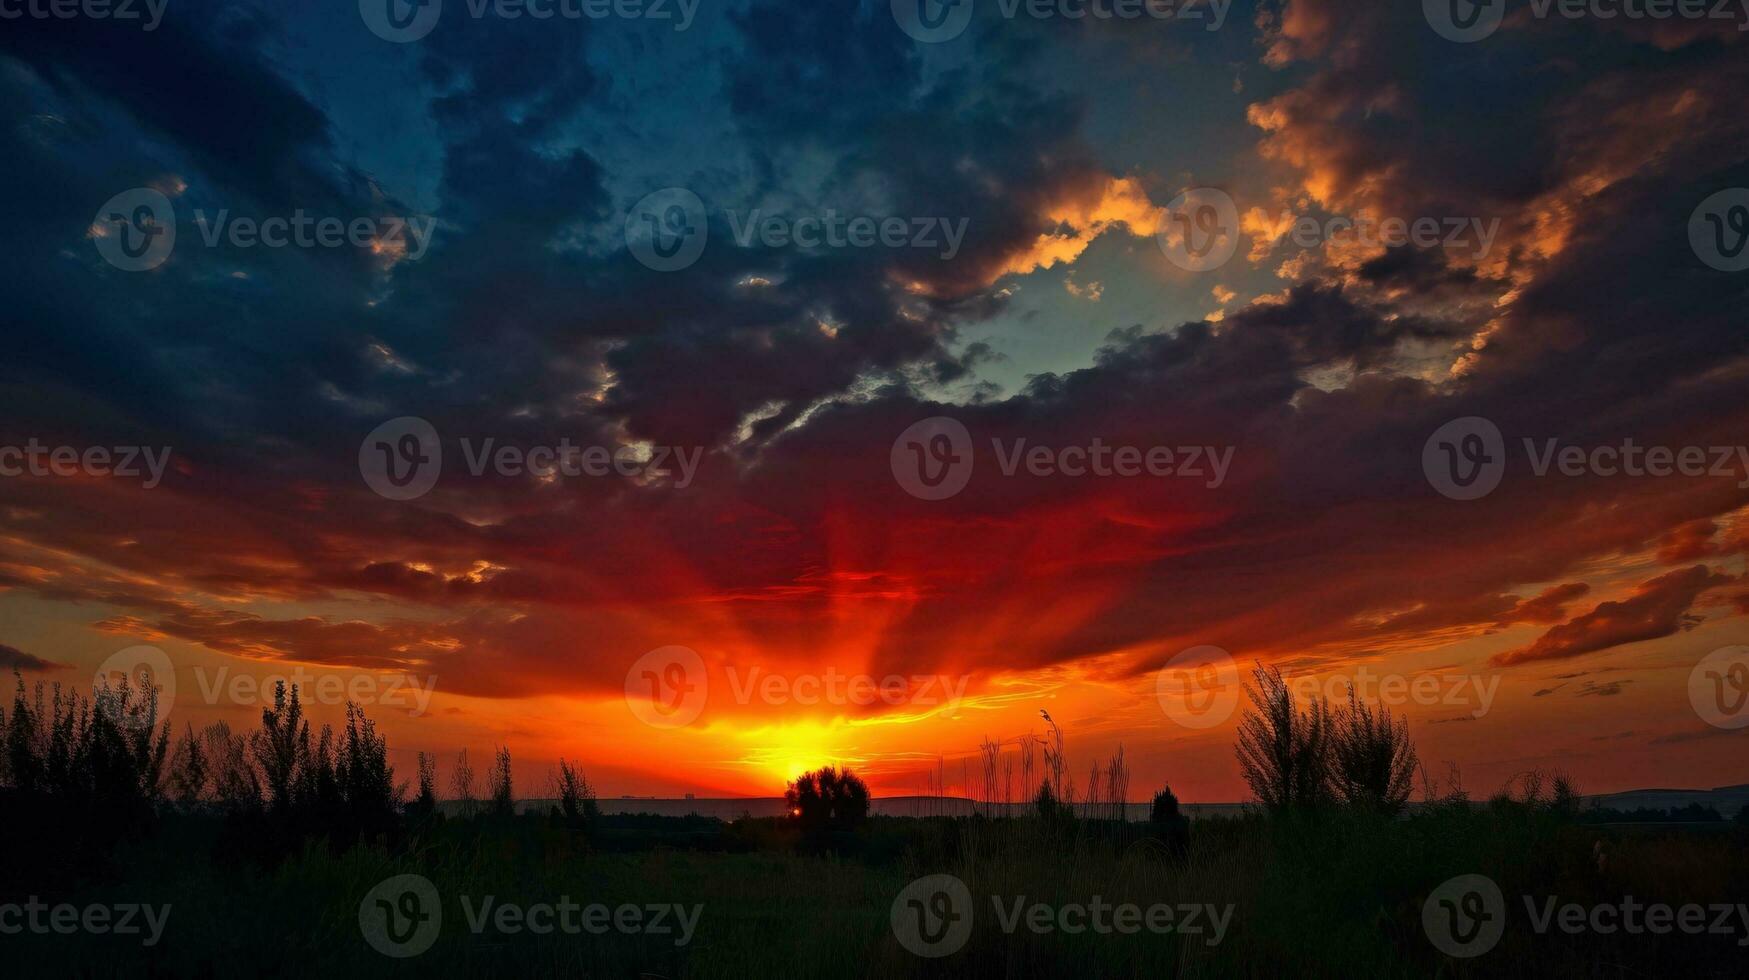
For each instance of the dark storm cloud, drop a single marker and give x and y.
(527, 321)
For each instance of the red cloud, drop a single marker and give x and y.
(1658, 608)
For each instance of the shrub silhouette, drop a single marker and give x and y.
(423, 807)
(577, 806)
(1169, 826)
(1284, 752)
(1372, 760)
(105, 752)
(461, 785)
(79, 770)
(1045, 805)
(339, 787)
(503, 797)
(827, 800)
(189, 771)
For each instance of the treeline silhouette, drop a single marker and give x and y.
(81, 770)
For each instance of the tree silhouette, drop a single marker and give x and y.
(281, 746)
(1284, 753)
(424, 806)
(503, 798)
(827, 800)
(189, 770)
(1373, 762)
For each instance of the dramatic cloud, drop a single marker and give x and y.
(1657, 608)
(12, 658)
(1299, 523)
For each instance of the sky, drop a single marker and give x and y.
(849, 511)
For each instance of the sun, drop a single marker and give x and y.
(783, 752)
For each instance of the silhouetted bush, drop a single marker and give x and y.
(422, 809)
(503, 795)
(1168, 825)
(826, 802)
(1284, 753)
(577, 806)
(1372, 760)
(80, 771)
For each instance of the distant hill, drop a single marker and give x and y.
(1725, 799)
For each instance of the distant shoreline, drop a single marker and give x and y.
(1726, 799)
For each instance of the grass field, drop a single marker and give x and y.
(1337, 895)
